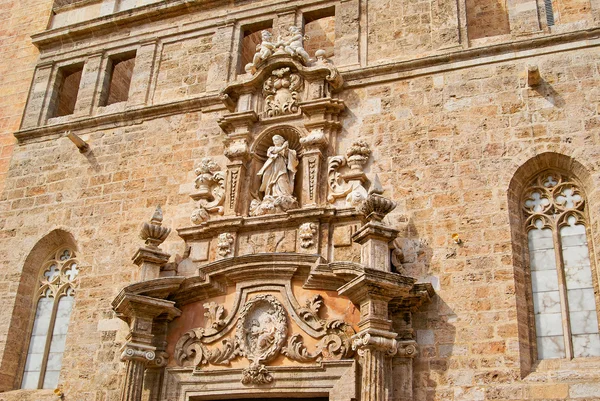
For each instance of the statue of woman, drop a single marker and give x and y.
(279, 170)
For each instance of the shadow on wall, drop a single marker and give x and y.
(433, 324)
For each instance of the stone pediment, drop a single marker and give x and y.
(319, 80)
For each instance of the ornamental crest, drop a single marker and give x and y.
(261, 332)
(281, 92)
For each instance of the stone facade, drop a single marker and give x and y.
(380, 241)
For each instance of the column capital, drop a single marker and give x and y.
(378, 340)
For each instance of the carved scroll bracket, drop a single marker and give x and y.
(350, 183)
(210, 194)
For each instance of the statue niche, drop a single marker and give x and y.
(277, 178)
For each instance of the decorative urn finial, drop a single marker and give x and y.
(153, 232)
(375, 207)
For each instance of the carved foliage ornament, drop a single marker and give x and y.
(281, 92)
(260, 335)
(210, 183)
(307, 232)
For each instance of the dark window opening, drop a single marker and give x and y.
(251, 39)
(319, 31)
(68, 87)
(549, 12)
(120, 71)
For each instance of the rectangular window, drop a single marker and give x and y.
(319, 31)
(68, 80)
(118, 79)
(251, 39)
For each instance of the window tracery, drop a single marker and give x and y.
(564, 304)
(54, 300)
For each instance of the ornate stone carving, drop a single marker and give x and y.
(407, 349)
(350, 184)
(214, 314)
(135, 353)
(210, 183)
(257, 374)
(335, 345)
(153, 232)
(264, 50)
(383, 342)
(277, 180)
(307, 232)
(292, 44)
(224, 244)
(281, 92)
(261, 329)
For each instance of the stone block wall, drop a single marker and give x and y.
(447, 143)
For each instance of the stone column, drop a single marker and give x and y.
(314, 145)
(142, 74)
(347, 33)
(375, 342)
(375, 353)
(86, 97)
(135, 366)
(237, 126)
(40, 91)
(402, 370)
(219, 68)
(139, 311)
(523, 16)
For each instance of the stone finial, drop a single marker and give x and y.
(375, 207)
(153, 232)
(358, 155)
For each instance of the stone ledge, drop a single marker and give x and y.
(127, 117)
(499, 52)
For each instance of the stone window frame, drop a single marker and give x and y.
(108, 63)
(52, 95)
(108, 57)
(60, 285)
(555, 221)
(54, 87)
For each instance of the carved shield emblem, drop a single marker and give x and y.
(261, 328)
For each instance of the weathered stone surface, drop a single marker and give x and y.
(439, 92)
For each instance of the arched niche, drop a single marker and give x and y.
(259, 149)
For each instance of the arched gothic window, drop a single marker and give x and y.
(564, 304)
(54, 302)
